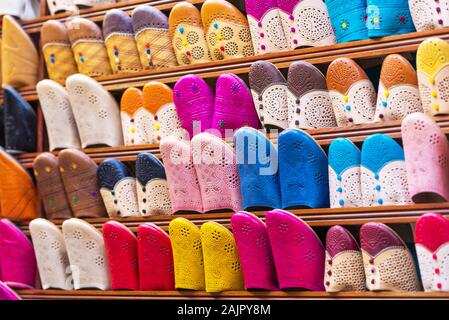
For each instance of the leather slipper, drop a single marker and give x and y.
(298, 252)
(352, 93)
(51, 255)
(58, 54)
(187, 254)
(50, 186)
(79, 175)
(118, 189)
(388, 263)
(309, 102)
(429, 15)
(86, 251)
(344, 269)
(59, 6)
(256, 258)
(426, 151)
(121, 251)
(183, 184)
(344, 174)
(222, 269)
(269, 91)
(150, 26)
(88, 47)
(152, 187)
(216, 169)
(187, 34)
(156, 268)
(120, 43)
(59, 119)
(265, 24)
(227, 30)
(94, 109)
(20, 61)
(348, 19)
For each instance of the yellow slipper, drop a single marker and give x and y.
(221, 261)
(432, 63)
(187, 254)
(227, 30)
(20, 62)
(187, 34)
(58, 54)
(158, 99)
(88, 48)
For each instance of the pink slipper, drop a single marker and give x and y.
(194, 101)
(18, 263)
(156, 268)
(6, 293)
(121, 250)
(254, 249)
(432, 248)
(184, 189)
(344, 263)
(234, 106)
(217, 172)
(426, 152)
(298, 252)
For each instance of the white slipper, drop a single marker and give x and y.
(86, 251)
(96, 112)
(51, 255)
(61, 126)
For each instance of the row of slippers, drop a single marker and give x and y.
(207, 174)
(285, 253)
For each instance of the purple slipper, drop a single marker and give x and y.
(194, 102)
(6, 293)
(234, 106)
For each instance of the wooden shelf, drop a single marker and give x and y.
(324, 137)
(314, 217)
(229, 295)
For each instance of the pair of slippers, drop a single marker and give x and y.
(302, 101)
(363, 19)
(199, 110)
(127, 196)
(287, 25)
(59, 6)
(293, 175)
(219, 32)
(68, 185)
(285, 253)
(205, 258)
(374, 176)
(426, 151)
(149, 115)
(202, 174)
(72, 259)
(354, 97)
(76, 116)
(19, 57)
(18, 268)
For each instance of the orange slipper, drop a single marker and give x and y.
(18, 198)
(158, 99)
(58, 54)
(187, 34)
(227, 30)
(88, 47)
(20, 62)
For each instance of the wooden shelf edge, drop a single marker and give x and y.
(314, 217)
(319, 55)
(269, 295)
(324, 137)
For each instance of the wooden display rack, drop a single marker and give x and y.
(365, 50)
